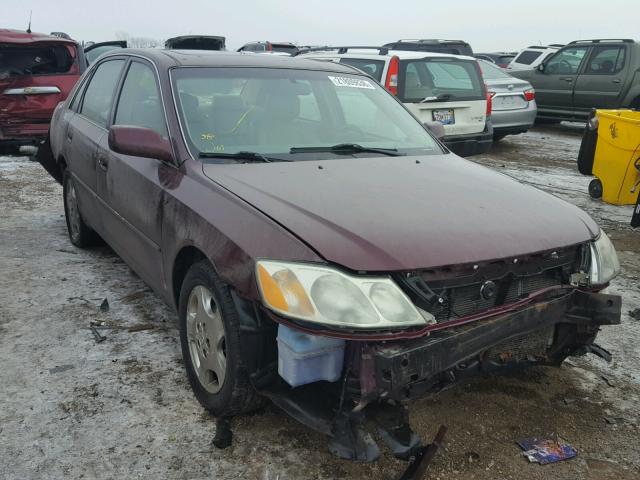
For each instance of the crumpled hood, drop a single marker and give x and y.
(400, 213)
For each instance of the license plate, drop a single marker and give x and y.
(445, 117)
(508, 102)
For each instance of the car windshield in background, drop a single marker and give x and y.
(492, 72)
(40, 60)
(439, 79)
(272, 111)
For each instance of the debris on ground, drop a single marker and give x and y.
(60, 368)
(635, 313)
(223, 436)
(97, 335)
(608, 381)
(546, 451)
(140, 327)
(104, 306)
(423, 457)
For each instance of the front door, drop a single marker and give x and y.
(129, 186)
(554, 85)
(601, 82)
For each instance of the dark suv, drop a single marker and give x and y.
(586, 74)
(37, 71)
(320, 246)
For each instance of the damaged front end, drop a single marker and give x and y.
(485, 318)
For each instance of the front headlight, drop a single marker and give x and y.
(604, 260)
(327, 296)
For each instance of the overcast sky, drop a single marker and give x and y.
(488, 25)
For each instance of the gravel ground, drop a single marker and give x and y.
(73, 408)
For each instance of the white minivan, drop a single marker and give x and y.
(435, 87)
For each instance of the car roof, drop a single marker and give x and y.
(210, 58)
(372, 52)
(24, 38)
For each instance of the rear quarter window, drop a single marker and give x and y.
(36, 60)
(425, 78)
(527, 57)
(372, 68)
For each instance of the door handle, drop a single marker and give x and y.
(103, 163)
(567, 79)
(615, 80)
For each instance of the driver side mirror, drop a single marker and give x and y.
(541, 67)
(436, 128)
(139, 142)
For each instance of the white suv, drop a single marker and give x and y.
(529, 58)
(435, 87)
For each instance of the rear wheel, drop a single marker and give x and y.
(211, 344)
(595, 188)
(79, 232)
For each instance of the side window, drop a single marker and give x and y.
(370, 67)
(98, 96)
(606, 60)
(527, 57)
(566, 62)
(139, 103)
(75, 102)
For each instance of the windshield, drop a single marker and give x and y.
(446, 78)
(491, 71)
(35, 60)
(271, 111)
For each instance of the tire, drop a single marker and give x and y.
(595, 188)
(498, 136)
(211, 344)
(80, 233)
(587, 152)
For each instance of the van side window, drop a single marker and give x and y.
(139, 104)
(98, 97)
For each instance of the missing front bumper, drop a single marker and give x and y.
(543, 333)
(379, 377)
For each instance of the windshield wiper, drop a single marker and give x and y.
(247, 157)
(443, 97)
(348, 148)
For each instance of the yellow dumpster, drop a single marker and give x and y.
(616, 161)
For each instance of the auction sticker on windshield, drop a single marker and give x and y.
(351, 82)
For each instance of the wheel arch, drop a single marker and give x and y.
(186, 256)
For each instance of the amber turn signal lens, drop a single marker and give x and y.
(270, 291)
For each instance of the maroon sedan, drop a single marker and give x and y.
(321, 247)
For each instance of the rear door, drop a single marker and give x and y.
(34, 78)
(130, 187)
(84, 133)
(445, 89)
(555, 84)
(602, 79)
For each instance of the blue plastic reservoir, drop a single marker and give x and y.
(304, 358)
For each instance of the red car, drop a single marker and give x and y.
(37, 71)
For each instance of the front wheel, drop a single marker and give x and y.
(595, 188)
(211, 344)
(80, 233)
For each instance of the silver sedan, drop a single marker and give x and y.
(513, 101)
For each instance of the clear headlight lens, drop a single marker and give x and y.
(604, 260)
(329, 297)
